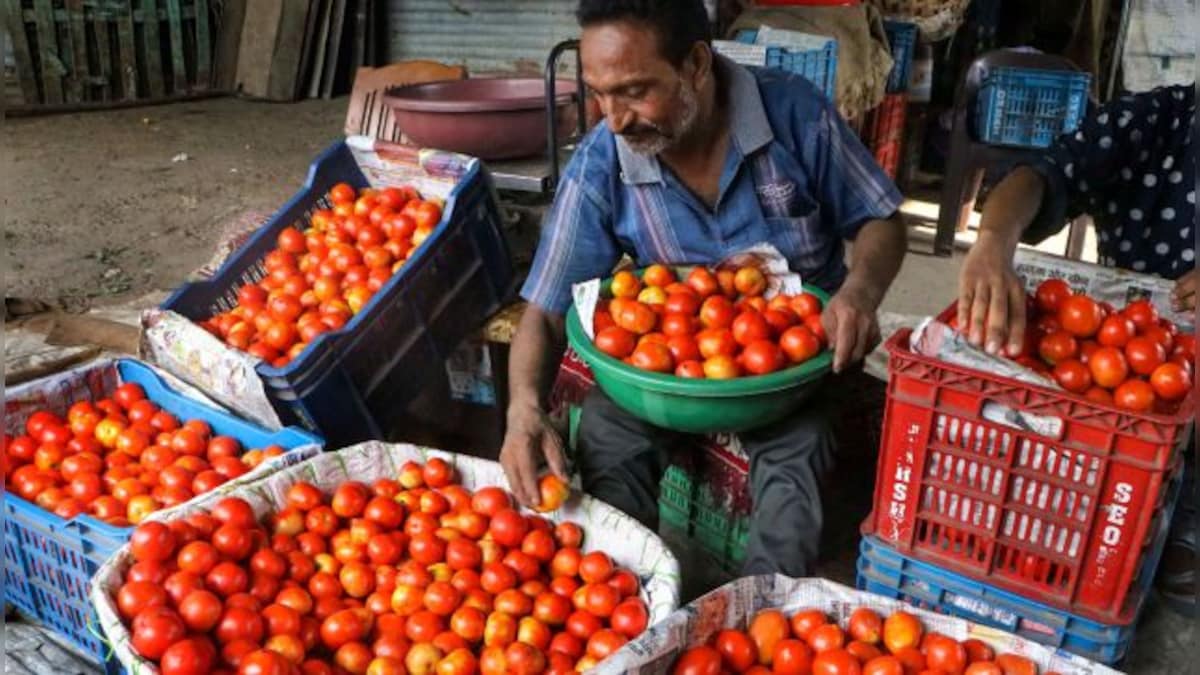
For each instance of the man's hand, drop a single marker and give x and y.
(851, 324)
(1187, 287)
(529, 438)
(991, 300)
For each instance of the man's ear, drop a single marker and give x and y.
(698, 65)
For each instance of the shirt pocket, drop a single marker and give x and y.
(798, 238)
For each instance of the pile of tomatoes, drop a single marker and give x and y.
(120, 459)
(713, 324)
(1131, 358)
(318, 279)
(416, 575)
(808, 643)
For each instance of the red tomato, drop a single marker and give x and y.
(508, 528)
(703, 660)
(835, 662)
(239, 623)
(1050, 295)
(1080, 316)
(1058, 346)
(1144, 355)
(200, 610)
(718, 312)
(234, 511)
(152, 541)
(749, 327)
(1171, 381)
(1141, 313)
(762, 357)
(1135, 395)
(1108, 366)
(191, 656)
(1073, 376)
(630, 618)
(154, 630)
(1116, 331)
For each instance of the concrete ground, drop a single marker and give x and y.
(103, 207)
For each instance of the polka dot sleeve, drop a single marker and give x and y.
(1079, 166)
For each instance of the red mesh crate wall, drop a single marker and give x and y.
(1062, 515)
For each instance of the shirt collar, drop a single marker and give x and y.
(747, 116)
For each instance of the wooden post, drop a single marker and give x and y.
(127, 73)
(15, 23)
(203, 47)
(79, 69)
(47, 45)
(103, 55)
(150, 50)
(179, 81)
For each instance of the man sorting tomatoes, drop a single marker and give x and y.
(699, 158)
(1131, 166)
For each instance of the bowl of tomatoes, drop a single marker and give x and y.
(698, 350)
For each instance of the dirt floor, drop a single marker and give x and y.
(106, 207)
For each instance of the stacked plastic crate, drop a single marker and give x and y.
(1019, 506)
(883, 128)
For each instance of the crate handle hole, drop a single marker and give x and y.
(1047, 426)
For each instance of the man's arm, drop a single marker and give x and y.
(991, 299)
(850, 318)
(534, 356)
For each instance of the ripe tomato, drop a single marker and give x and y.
(1116, 331)
(200, 610)
(1144, 355)
(681, 304)
(191, 656)
(1108, 366)
(630, 618)
(154, 630)
(239, 623)
(944, 654)
(826, 637)
(718, 312)
(508, 528)
(1050, 295)
(703, 282)
(679, 325)
(714, 342)
(152, 541)
(767, 629)
(1058, 346)
(635, 317)
(835, 662)
(901, 630)
(137, 596)
(1080, 316)
(1171, 381)
(1135, 395)
(1073, 376)
(702, 660)
(749, 327)
(1141, 313)
(232, 541)
(616, 342)
(762, 357)
(227, 579)
(653, 357)
(234, 511)
(806, 305)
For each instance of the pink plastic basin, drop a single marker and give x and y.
(489, 118)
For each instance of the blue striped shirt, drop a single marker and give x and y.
(795, 176)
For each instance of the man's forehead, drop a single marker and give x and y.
(618, 48)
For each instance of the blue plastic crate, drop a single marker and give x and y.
(52, 560)
(349, 382)
(818, 66)
(902, 38)
(883, 570)
(1030, 108)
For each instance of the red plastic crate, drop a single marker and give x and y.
(1065, 518)
(883, 131)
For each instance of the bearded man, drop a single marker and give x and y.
(698, 158)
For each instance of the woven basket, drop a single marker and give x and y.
(936, 19)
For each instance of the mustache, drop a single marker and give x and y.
(643, 131)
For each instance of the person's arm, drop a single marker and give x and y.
(988, 289)
(533, 358)
(860, 203)
(850, 319)
(1183, 296)
(1036, 201)
(577, 244)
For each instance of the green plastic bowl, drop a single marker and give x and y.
(700, 406)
